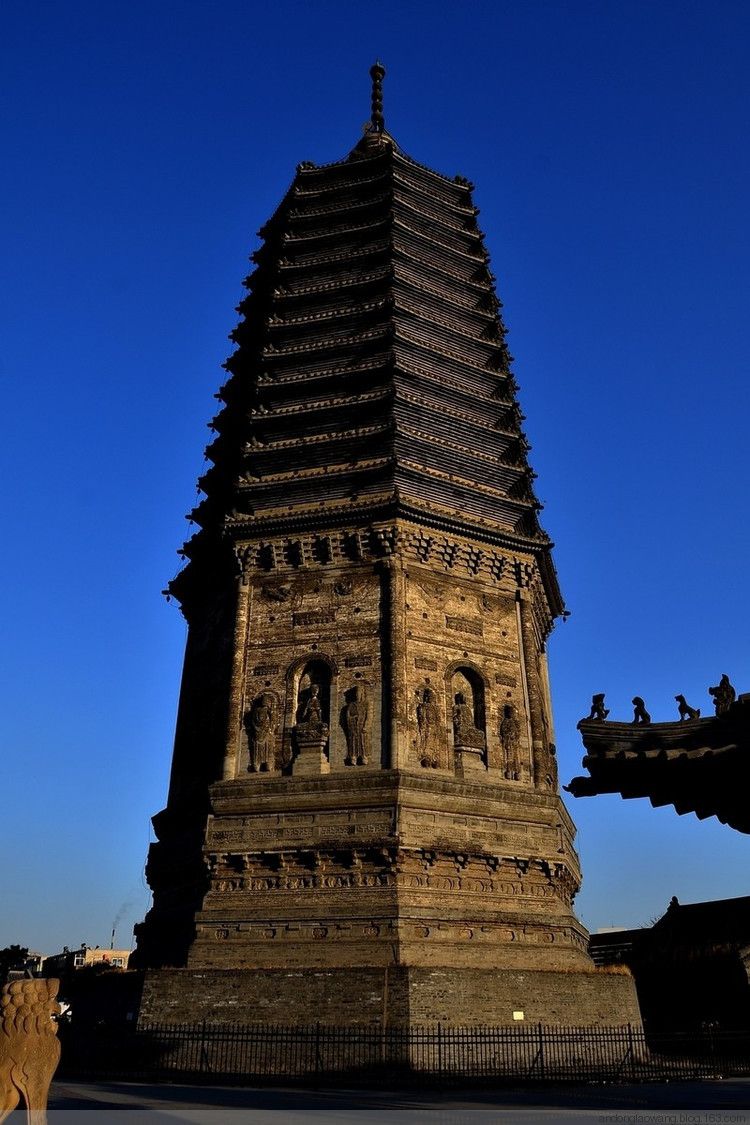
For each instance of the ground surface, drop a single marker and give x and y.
(688, 1103)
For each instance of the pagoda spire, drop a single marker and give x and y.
(377, 73)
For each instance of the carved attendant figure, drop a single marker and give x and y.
(355, 727)
(260, 723)
(510, 738)
(428, 724)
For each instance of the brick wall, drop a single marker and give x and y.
(398, 996)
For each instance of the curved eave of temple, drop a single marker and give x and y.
(707, 781)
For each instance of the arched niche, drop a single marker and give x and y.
(314, 671)
(313, 683)
(465, 688)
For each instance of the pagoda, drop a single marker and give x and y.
(363, 822)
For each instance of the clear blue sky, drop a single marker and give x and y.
(143, 145)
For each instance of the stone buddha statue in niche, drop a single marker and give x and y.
(465, 733)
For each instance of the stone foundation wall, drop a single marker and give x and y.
(397, 996)
(477, 996)
(350, 997)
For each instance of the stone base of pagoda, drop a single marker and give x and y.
(392, 996)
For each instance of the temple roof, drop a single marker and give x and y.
(700, 766)
(371, 377)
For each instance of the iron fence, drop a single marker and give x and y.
(525, 1053)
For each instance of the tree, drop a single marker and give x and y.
(12, 957)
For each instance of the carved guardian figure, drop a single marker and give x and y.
(260, 723)
(355, 727)
(29, 1047)
(686, 711)
(510, 739)
(598, 710)
(724, 695)
(641, 716)
(428, 728)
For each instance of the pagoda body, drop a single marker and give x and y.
(363, 821)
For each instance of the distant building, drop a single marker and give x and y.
(613, 946)
(691, 968)
(27, 966)
(61, 964)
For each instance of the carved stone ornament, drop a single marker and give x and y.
(428, 728)
(724, 695)
(277, 592)
(685, 710)
(641, 716)
(356, 713)
(260, 724)
(598, 710)
(29, 1047)
(510, 740)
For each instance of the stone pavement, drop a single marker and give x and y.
(132, 1103)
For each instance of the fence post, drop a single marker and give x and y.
(203, 1046)
(631, 1052)
(318, 1060)
(440, 1050)
(541, 1050)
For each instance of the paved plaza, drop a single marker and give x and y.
(688, 1103)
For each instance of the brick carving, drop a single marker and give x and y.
(464, 625)
(314, 617)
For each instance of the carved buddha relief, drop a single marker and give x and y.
(313, 699)
(468, 712)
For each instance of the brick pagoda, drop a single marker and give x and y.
(363, 822)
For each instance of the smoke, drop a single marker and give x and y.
(122, 911)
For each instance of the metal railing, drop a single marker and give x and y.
(526, 1053)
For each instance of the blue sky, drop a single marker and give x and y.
(144, 145)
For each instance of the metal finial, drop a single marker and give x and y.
(377, 73)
